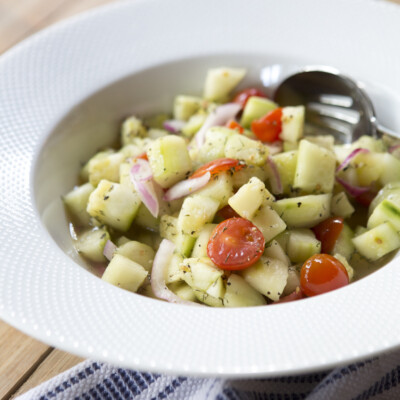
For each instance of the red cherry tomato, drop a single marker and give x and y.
(217, 166)
(322, 273)
(327, 232)
(268, 127)
(228, 212)
(366, 198)
(232, 124)
(244, 95)
(235, 244)
(143, 156)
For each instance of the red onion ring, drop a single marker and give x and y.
(348, 159)
(188, 186)
(352, 190)
(109, 250)
(173, 125)
(276, 179)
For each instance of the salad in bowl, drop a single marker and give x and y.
(229, 202)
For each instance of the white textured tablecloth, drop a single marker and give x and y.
(377, 378)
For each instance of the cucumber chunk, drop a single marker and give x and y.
(292, 123)
(274, 250)
(286, 164)
(240, 294)
(214, 145)
(221, 81)
(302, 244)
(377, 242)
(113, 204)
(293, 281)
(344, 244)
(268, 276)
(124, 273)
(304, 211)
(76, 201)
(252, 152)
(200, 246)
(391, 191)
(345, 263)
(315, 168)
(256, 107)
(183, 290)
(248, 199)
(169, 160)
(138, 252)
(132, 128)
(341, 206)
(105, 168)
(242, 176)
(186, 106)
(219, 188)
(268, 222)
(385, 211)
(91, 244)
(174, 271)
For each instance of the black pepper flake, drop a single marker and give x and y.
(299, 204)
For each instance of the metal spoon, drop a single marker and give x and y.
(335, 104)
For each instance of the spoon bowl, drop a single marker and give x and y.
(335, 104)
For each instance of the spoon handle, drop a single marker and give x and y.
(382, 130)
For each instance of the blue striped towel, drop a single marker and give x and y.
(377, 378)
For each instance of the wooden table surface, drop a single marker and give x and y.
(25, 362)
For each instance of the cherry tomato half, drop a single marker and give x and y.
(244, 95)
(228, 212)
(232, 124)
(235, 244)
(322, 273)
(268, 127)
(366, 198)
(217, 166)
(327, 232)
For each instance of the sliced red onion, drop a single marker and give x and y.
(188, 186)
(141, 170)
(276, 179)
(141, 176)
(109, 250)
(159, 271)
(393, 148)
(174, 125)
(348, 159)
(275, 147)
(219, 117)
(352, 190)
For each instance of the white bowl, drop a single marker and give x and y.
(63, 94)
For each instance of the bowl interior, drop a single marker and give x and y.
(95, 122)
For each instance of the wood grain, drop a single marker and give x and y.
(19, 356)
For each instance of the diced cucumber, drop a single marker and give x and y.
(293, 281)
(385, 211)
(327, 141)
(132, 128)
(221, 81)
(256, 107)
(156, 133)
(196, 211)
(139, 252)
(315, 168)
(390, 169)
(283, 239)
(240, 294)
(274, 250)
(268, 222)
(368, 167)
(248, 199)
(169, 160)
(105, 168)
(243, 175)
(200, 246)
(194, 124)
(200, 273)
(124, 273)
(286, 164)
(137, 147)
(186, 106)
(91, 244)
(341, 206)
(268, 276)
(217, 289)
(391, 191)
(76, 201)
(252, 152)
(344, 244)
(125, 175)
(114, 205)
(220, 188)
(184, 244)
(207, 299)
(345, 263)
(146, 220)
(169, 230)
(84, 173)
(304, 211)
(183, 290)
(292, 123)
(214, 145)
(302, 244)
(174, 271)
(290, 146)
(156, 121)
(369, 143)
(377, 242)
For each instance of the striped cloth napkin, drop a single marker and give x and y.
(376, 378)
